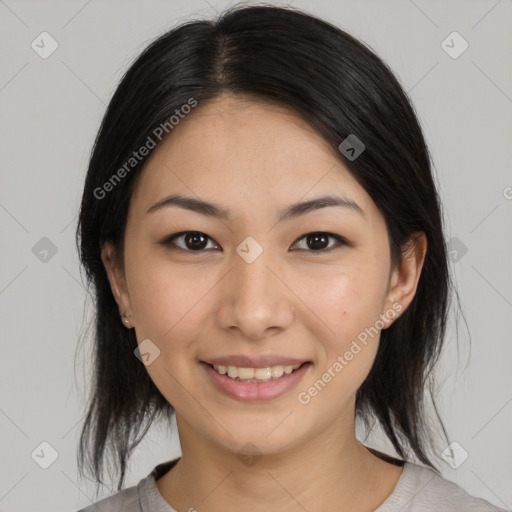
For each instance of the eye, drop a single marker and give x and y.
(193, 241)
(317, 240)
(196, 241)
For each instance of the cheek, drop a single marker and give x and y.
(347, 299)
(168, 306)
(348, 302)
(165, 298)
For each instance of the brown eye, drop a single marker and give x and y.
(319, 242)
(191, 241)
(195, 241)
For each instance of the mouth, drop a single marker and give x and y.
(255, 384)
(265, 374)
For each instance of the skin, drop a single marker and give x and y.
(256, 159)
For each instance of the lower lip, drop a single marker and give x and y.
(255, 391)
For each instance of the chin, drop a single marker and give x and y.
(268, 436)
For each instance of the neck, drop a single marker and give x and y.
(331, 472)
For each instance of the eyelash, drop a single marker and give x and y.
(169, 241)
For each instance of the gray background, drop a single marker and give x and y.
(51, 109)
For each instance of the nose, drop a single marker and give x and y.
(255, 299)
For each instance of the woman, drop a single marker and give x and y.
(264, 237)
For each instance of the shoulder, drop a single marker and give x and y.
(420, 489)
(126, 500)
(142, 497)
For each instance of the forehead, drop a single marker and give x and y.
(247, 153)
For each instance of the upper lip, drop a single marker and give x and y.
(262, 361)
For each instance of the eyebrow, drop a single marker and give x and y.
(292, 211)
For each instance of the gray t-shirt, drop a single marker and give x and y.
(418, 490)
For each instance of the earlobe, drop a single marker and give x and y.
(405, 278)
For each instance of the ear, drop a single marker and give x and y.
(117, 281)
(404, 278)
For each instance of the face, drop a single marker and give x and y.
(262, 285)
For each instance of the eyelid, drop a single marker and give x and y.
(168, 241)
(341, 241)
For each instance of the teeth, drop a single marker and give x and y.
(255, 374)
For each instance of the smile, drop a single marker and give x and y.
(255, 374)
(255, 384)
